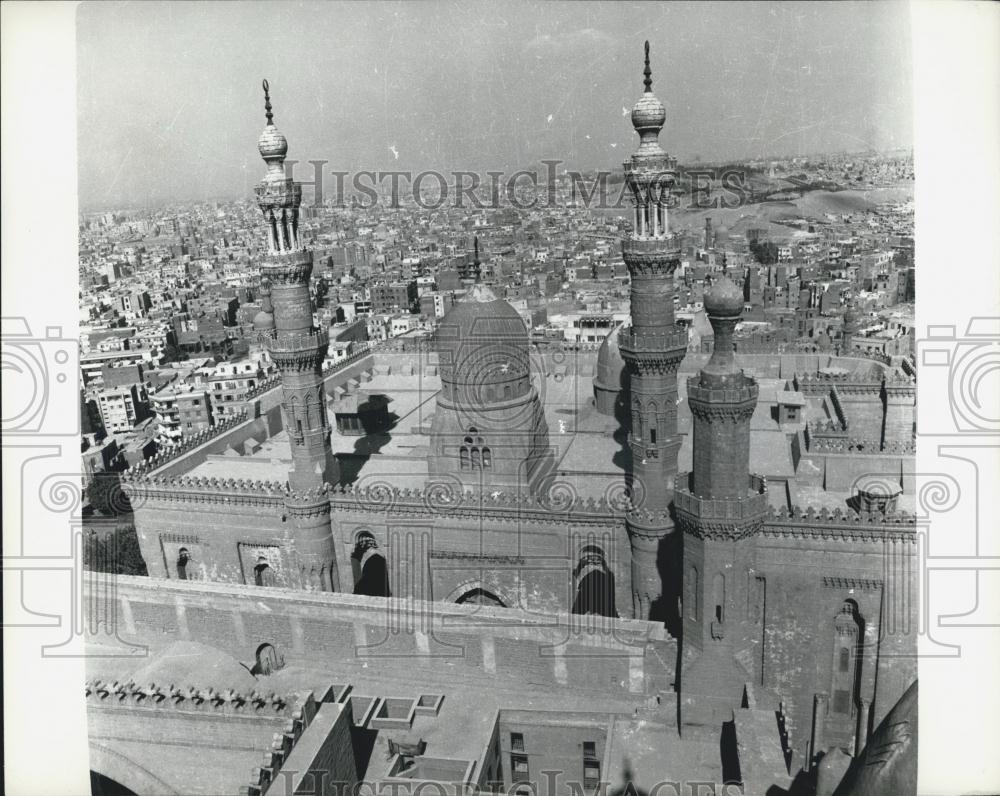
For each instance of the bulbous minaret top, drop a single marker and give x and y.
(648, 115)
(277, 196)
(272, 145)
(724, 306)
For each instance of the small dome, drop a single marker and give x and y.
(263, 321)
(725, 298)
(272, 144)
(190, 663)
(648, 114)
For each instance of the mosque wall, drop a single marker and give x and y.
(334, 630)
(524, 558)
(802, 578)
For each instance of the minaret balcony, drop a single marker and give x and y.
(722, 517)
(660, 247)
(278, 194)
(301, 349)
(287, 267)
(635, 344)
(735, 396)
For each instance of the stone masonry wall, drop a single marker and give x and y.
(532, 650)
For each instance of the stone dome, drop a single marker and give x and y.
(724, 298)
(263, 321)
(648, 113)
(608, 376)
(190, 663)
(610, 363)
(482, 339)
(272, 145)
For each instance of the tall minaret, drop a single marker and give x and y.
(653, 347)
(719, 507)
(297, 348)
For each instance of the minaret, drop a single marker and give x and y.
(297, 348)
(652, 347)
(719, 507)
(471, 273)
(850, 327)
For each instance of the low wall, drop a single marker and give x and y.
(603, 656)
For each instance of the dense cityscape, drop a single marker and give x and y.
(823, 250)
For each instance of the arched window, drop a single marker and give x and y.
(476, 461)
(595, 584)
(506, 391)
(487, 458)
(262, 573)
(463, 457)
(182, 561)
(652, 436)
(371, 572)
(692, 593)
(479, 596)
(845, 659)
(719, 595)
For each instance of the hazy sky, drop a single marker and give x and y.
(170, 102)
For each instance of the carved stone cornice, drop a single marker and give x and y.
(861, 584)
(726, 413)
(719, 530)
(478, 558)
(287, 268)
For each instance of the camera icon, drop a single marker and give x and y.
(968, 369)
(40, 394)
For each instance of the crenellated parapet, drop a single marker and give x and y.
(169, 697)
(849, 383)
(187, 443)
(735, 404)
(299, 352)
(824, 523)
(729, 518)
(147, 489)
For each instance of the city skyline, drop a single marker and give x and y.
(386, 87)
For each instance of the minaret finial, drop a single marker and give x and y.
(267, 103)
(647, 72)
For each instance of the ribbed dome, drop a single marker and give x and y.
(272, 145)
(724, 299)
